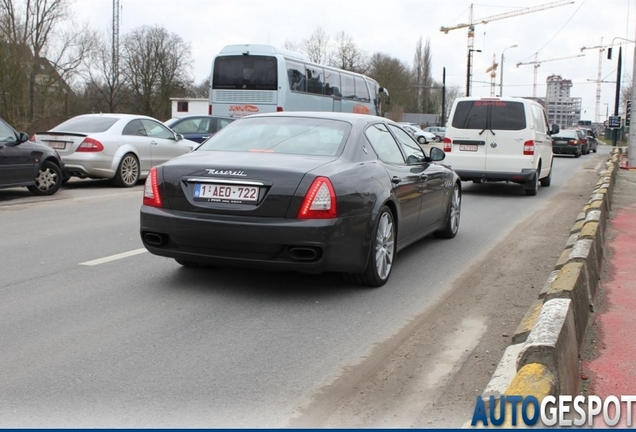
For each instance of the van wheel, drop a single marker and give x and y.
(532, 187)
(546, 181)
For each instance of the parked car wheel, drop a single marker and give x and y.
(438, 138)
(382, 253)
(128, 171)
(453, 214)
(421, 140)
(48, 180)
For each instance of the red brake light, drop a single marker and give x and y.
(320, 201)
(279, 109)
(574, 142)
(90, 145)
(528, 148)
(210, 109)
(151, 190)
(447, 145)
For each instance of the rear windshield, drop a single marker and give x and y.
(488, 114)
(86, 124)
(246, 72)
(566, 134)
(291, 135)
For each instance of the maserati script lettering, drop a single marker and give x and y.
(226, 172)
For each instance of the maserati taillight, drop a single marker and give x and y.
(151, 190)
(320, 201)
(528, 148)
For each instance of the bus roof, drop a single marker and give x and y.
(261, 49)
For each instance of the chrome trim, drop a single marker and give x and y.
(224, 181)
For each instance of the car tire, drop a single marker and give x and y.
(534, 185)
(422, 140)
(381, 253)
(191, 264)
(48, 180)
(127, 174)
(594, 150)
(452, 215)
(547, 181)
(577, 154)
(438, 139)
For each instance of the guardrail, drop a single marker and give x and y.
(543, 358)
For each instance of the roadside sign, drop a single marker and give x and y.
(615, 121)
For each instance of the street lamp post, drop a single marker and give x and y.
(468, 74)
(502, 69)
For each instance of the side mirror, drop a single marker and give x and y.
(437, 154)
(178, 136)
(22, 137)
(554, 129)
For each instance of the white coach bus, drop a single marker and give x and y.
(250, 79)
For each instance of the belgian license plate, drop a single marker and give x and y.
(226, 193)
(560, 142)
(58, 145)
(468, 147)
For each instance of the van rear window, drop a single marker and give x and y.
(489, 114)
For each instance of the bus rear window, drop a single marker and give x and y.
(245, 72)
(489, 114)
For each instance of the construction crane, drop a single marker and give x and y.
(493, 73)
(537, 63)
(599, 80)
(471, 28)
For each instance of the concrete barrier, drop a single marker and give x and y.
(549, 338)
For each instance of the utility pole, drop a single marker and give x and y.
(631, 142)
(469, 70)
(443, 123)
(617, 99)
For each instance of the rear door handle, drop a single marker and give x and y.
(396, 179)
(153, 142)
(424, 176)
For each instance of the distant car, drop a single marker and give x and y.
(198, 127)
(567, 141)
(421, 136)
(26, 163)
(119, 147)
(302, 191)
(438, 131)
(591, 139)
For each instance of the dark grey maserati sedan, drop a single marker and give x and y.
(304, 191)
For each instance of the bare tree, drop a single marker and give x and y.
(316, 46)
(395, 76)
(347, 55)
(51, 55)
(106, 82)
(423, 100)
(155, 63)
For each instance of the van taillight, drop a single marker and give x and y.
(279, 109)
(528, 148)
(447, 145)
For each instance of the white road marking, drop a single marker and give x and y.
(114, 257)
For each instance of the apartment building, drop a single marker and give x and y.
(561, 108)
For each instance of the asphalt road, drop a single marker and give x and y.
(95, 332)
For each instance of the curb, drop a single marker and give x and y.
(546, 345)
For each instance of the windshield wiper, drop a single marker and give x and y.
(491, 131)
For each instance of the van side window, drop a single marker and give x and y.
(539, 119)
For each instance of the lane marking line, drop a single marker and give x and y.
(114, 257)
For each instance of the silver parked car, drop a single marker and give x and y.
(438, 131)
(119, 147)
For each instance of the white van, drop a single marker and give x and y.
(500, 139)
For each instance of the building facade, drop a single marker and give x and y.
(561, 108)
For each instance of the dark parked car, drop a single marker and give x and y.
(309, 192)
(25, 163)
(568, 141)
(198, 127)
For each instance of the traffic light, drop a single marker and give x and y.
(628, 112)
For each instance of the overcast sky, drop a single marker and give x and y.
(394, 27)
